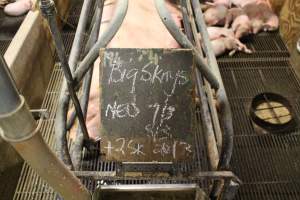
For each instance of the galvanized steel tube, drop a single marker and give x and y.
(8, 91)
(76, 150)
(225, 110)
(116, 22)
(18, 127)
(226, 114)
(49, 11)
(209, 130)
(63, 105)
(183, 41)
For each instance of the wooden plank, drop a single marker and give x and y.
(146, 104)
(289, 13)
(30, 55)
(30, 59)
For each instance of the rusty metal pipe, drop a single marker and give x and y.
(207, 123)
(19, 128)
(76, 150)
(64, 99)
(49, 12)
(9, 99)
(225, 110)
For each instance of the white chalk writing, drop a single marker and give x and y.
(121, 110)
(164, 147)
(163, 83)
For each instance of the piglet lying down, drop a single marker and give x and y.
(224, 39)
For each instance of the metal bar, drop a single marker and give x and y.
(188, 31)
(89, 44)
(186, 22)
(207, 125)
(78, 38)
(18, 127)
(214, 175)
(214, 115)
(71, 120)
(183, 41)
(116, 22)
(36, 152)
(49, 11)
(8, 91)
(225, 110)
(268, 108)
(149, 188)
(76, 151)
(64, 95)
(205, 112)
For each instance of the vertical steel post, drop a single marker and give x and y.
(18, 127)
(49, 11)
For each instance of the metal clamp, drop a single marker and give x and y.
(25, 127)
(47, 8)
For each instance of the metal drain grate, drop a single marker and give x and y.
(68, 37)
(30, 186)
(264, 45)
(270, 191)
(268, 159)
(247, 82)
(267, 164)
(4, 44)
(75, 13)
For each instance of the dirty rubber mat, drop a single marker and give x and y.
(268, 164)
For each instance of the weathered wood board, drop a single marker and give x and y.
(146, 104)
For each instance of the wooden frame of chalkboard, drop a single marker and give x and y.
(146, 104)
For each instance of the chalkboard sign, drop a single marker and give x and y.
(146, 104)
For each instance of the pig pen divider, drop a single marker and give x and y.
(83, 68)
(77, 146)
(225, 110)
(76, 75)
(48, 10)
